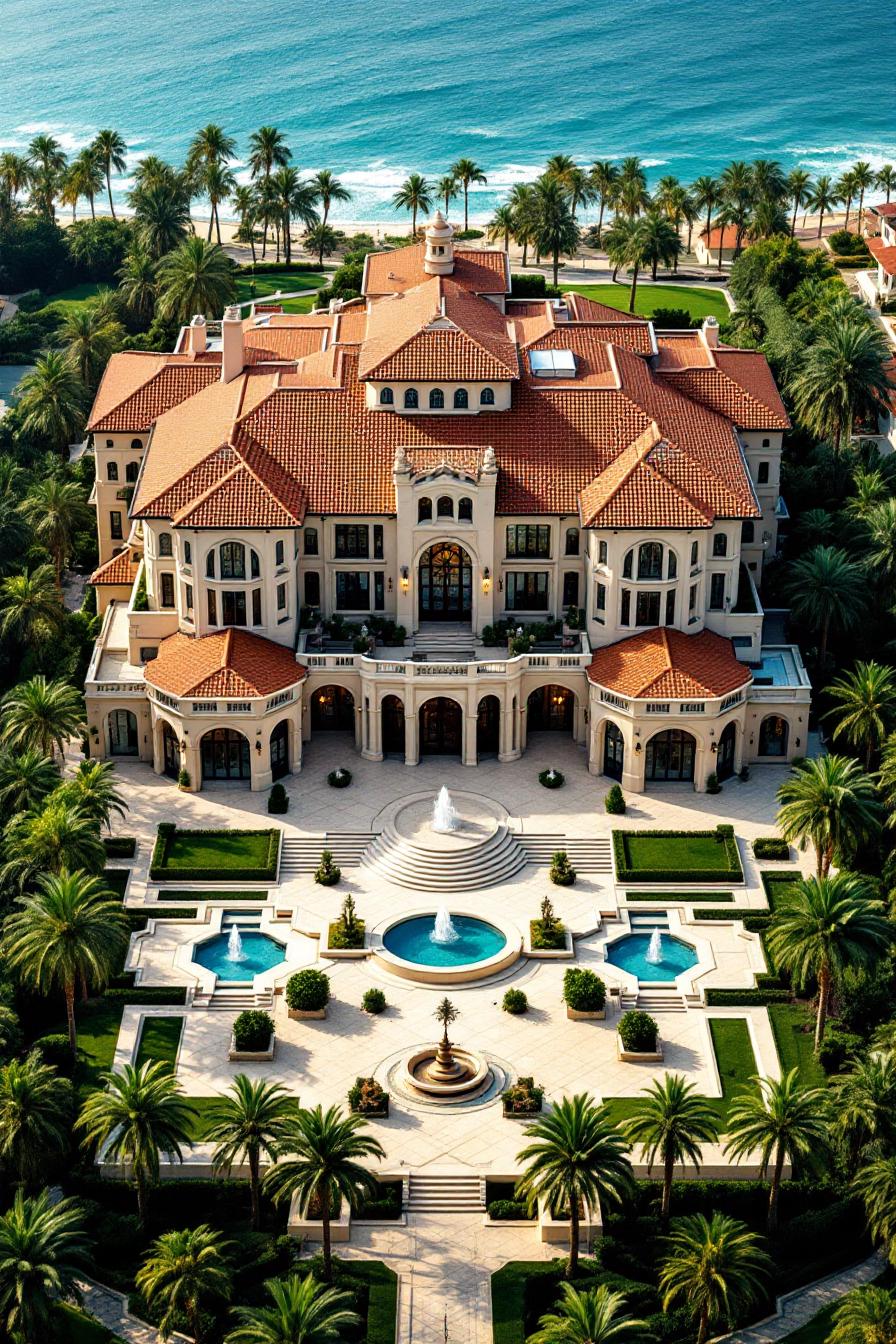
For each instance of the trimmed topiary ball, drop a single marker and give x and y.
(373, 1001)
(308, 991)
(551, 779)
(252, 1030)
(339, 778)
(614, 803)
(515, 1002)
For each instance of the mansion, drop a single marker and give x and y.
(438, 519)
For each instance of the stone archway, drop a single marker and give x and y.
(332, 709)
(441, 727)
(445, 586)
(280, 750)
(670, 757)
(393, 726)
(123, 735)
(774, 732)
(551, 709)
(614, 751)
(224, 754)
(725, 753)
(170, 751)
(488, 727)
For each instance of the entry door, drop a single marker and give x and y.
(670, 756)
(440, 727)
(172, 753)
(446, 584)
(488, 726)
(123, 733)
(725, 754)
(614, 750)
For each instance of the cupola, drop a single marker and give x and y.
(439, 257)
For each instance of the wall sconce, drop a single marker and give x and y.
(637, 748)
(714, 748)
(183, 745)
(390, 583)
(486, 579)
(258, 747)
(500, 585)
(797, 743)
(405, 578)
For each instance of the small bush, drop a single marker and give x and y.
(528, 286)
(120, 846)
(348, 930)
(583, 991)
(183, 779)
(638, 1031)
(508, 1211)
(278, 802)
(771, 847)
(464, 234)
(327, 874)
(523, 1097)
(551, 779)
(515, 1002)
(671, 319)
(725, 831)
(837, 1049)
(373, 1001)
(252, 1030)
(712, 783)
(746, 998)
(614, 803)
(340, 778)
(308, 991)
(367, 1097)
(562, 873)
(56, 1051)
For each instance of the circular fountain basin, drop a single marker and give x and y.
(630, 954)
(483, 947)
(476, 1074)
(260, 953)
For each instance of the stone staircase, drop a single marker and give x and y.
(445, 1193)
(661, 1001)
(234, 1000)
(445, 643)
(301, 854)
(431, 869)
(586, 856)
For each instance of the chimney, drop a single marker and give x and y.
(233, 355)
(711, 332)
(196, 335)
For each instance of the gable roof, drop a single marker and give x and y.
(232, 663)
(136, 389)
(665, 663)
(475, 269)
(120, 571)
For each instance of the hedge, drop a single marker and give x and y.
(172, 995)
(160, 870)
(688, 897)
(727, 843)
(771, 847)
(120, 846)
(746, 998)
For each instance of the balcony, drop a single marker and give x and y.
(480, 663)
(780, 675)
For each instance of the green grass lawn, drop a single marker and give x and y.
(689, 852)
(795, 1043)
(269, 282)
(98, 1023)
(700, 303)
(76, 296)
(778, 887)
(222, 895)
(160, 1041)
(215, 852)
(672, 897)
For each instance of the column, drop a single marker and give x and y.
(295, 741)
(505, 738)
(411, 738)
(468, 755)
(373, 751)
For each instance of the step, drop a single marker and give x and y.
(301, 854)
(495, 860)
(444, 1193)
(585, 855)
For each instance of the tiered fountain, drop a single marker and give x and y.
(446, 1072)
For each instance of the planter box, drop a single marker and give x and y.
(577, 1016)
(565, 952)
(311, 1229)
(639, 1056)
(372, 1115)
(248, 1056)
(345, 953)
(520, 1115)
(555, 1231)
(306, 1014)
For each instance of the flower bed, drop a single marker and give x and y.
(523, 1098)
(677, 856)
(214, 855)
(368, 1098)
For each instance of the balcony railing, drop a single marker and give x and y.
(470, 671)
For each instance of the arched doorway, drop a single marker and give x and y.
(773, 735)
(725, 753)
(446, 583)
(123, 739)
(392, 718)
(670, 757)
(441, 727)
(170, 751)
(225, 754)
(488, 726)
(614, 751)
(332, 708)
(550, 709)
(280, 750)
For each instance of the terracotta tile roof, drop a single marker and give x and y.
(594, 363)
(633, 489)
(740, 386)
(727, 237)
(136, 389)
(242, 499)
(886, 208)
(283, 343)
(476, 269)
(351, 325)
(582, 309)
(121, 570)
(437, 331)
(884, 256)
(234, 663)
(682, 350)
(664, 663)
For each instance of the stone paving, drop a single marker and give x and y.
(799, 1307)
(111, 1309)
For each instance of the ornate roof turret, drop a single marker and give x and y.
(439, 256)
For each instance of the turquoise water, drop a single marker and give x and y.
(10, 377)
(630, 954)
(377, 91)
(260, 953)
(411, 941)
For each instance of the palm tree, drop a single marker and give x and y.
(863, 1112)
(578, 1157)
(42, 1250)
(715, 1266)
(56, 837)
(522, 203)
(47, 162)
(41, 714)
(52, 400)
(446, 189)
(182, 1272)
(30, 609)
(605, 179)
(26, 778)
(15, 174)
(245, 202)
(161, 217)
(738, 193)
(842, 376)
(196, 278)
(141, 1113)
(831, 802)
(592, 1316)
(823, 198)
(880, 522)
(466, 172)
(267, 150)
(295, 199)
(137, 286)
(324, 1168)
(85, 178)
(619, 242)
(111, 152)
(414, 194)
(870, 489)
(670, 1123)
(327, 189)
(631, 192)
(249, 1123)
(659, 243)
(211, 145)
(56, 509)
(886, 179)
(69, 930)
(781, 1120)
(93, 789)
(35, 1116)
(866, 708)
(828, 591)
(864, 178)
(828, 925)
(847, 187)
(88, 337)
(218, 183)
(768, 180)
(875, 1183)
(501, 225)
(304, 1312)
(865, 1316)
(555, 231)
(323, 240)
(579, 188)
(799, 191)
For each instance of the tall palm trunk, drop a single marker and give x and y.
(556, 266)
(775, 1191)
(142, 1193)
(634, 289)
(217, 223)
(211, 220)
(668, 1173)
(109, 187)
(600, 220)
(820, 220)
(704, 1327)
(653, 269)
(466, 209)
(823, 645)
(254, 1193)
(796, 206)
(70, 1015)
(824, 992)
(324, 1196)
(572, 1264)
(92, 210)
(414, 223)
(525, 251)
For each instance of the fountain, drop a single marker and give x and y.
(654, 952)
(444, 931)
(445, 817)
(235, 945)
(445, 1071)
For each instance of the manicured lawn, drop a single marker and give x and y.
(778, 887)
(673, 851)
(218, 855)
(672, 897)
(76, 296)
(675, 856)
(269, 282)
(160, 1041)
(795, 1044)
(700, 303)
(223, 895)
(98, 1024)
(382, 1298)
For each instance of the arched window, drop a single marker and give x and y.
(210, 565)
(424, 509)
(437, 399)
(445, 507)
(165, 544)
(137, 445)
(487, 397)
(131, 472)
(461, 400)
(650, 560)
(387, 397)
(233, 560)
(672, 567)
(465, 509)
(572, 541)
(255, 564)
(720, 544)
(627, 565)
(112, 471)
(188, 553)
(411, 400)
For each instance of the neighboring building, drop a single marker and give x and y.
(880, 231)
(708, 244)
(440, 457)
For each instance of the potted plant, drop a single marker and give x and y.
(307, 994)
(522, 1098)
(638, 1038)
(614, 803)
(252, 1037)
(183, 780)
(561, 873)
(327, 873)
(340, 778)
(547, 934)
(278, 802)
(551, 779)
(515, 1002)
(585, 994)
(368, 1098)
(347, 932)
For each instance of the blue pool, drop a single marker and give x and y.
(630, 954)
(259, 953)
(477, 941)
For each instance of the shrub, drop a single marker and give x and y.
(712, 783)
(551, 779)
(367, 1097)
(162, 869)
(523, 1097)
(340, 778)
(771, 847)
(508, 1211)
(387, 1204)
(515, 1002)
(744, 774)
(252, 1030)
(327, 873)
(837, 1048)
(614, 803)
(583, 991)
(278, 802)
(308, 991)
(561, 873)
(671, 319)
(56, 1051)
(638, 1031)
(528, 286)
(348, 930)
(373, 1001)
(183, 779)
(725, 831)
(846, 244)
(547, 933)
(626, 871)
(746, 998)
(120, 846)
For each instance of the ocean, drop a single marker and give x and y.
(375, 89)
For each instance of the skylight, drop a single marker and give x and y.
(552, 363)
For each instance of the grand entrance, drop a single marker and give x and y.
(441, 727)
(551, 708)
(332, 708)
(446, 583)
(670, 756)
(280, 750)
(725, 754)
(614, 751)
(123, 733)
(170, 751)
(225, 755)
(392, 714)
(488, 726)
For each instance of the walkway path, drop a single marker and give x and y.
(111, 1309)
(797, 1308)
